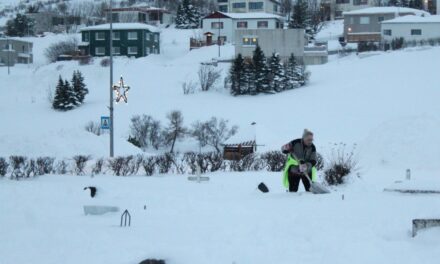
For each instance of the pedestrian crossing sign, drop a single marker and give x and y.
(105, 122)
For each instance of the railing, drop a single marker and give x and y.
(197, 43)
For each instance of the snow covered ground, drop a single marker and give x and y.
(387, 103)
(223, 221)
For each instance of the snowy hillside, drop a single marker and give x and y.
(386, 103)
(351, 100)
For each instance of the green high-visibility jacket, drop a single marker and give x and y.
(293, 162)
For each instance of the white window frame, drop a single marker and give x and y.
(386, 31)
(99, 53)
(132, 53)
(97, 35)
(252, 43)
(245, 22)
(116, 53)
(416, 29)
(147, 50)
(364, 20)
(131, 38)
(86, 36)
(156, 38)
(117, 32)
(217, 23)
(267, 23)
(147, 36)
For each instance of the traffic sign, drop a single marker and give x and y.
(105, 122)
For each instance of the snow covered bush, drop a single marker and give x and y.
(208, 77)
(119, 165)
(250, 162)
(274, 160)
(145, 131)
(165, 162)
(18, 164)
(105, 62)
(97, 168)
(79, 163)
(93, 127)
(65, 47)
(341, 164)
(365, 46)
(3, 166)
(61, 167)
(149, 165)
(189, 87)
(152, 261)
(44, 165)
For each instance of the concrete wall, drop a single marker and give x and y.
(429, 31)
(282, 41)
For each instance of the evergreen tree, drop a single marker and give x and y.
(417, 4)
(276, 71)
(302, 73)
(71, 97)
(291, 78)
(260, 71)
(237, 75)
(250, 83)
(299, 18)
(64, 98)
(20, 26)
(188, 16)
(79, 88)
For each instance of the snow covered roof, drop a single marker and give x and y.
(245, 136)
(256, 15)
(413, 19)
(386, 10)
(122, 26)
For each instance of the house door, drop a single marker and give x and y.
(208, 40)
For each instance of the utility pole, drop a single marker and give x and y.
(9, 52)
(218, 38)
(111, 82)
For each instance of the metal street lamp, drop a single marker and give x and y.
(111, 83)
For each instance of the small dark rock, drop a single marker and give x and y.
(152, 261)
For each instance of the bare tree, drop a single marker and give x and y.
(316, 17)
(213, 132)
(208, 77)
(175, 129)
(65, 47)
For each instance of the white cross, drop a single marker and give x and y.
(198, 178)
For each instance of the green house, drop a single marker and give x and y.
(129, 39)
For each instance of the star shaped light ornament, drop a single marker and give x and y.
(121, 91)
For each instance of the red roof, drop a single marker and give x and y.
(216, 14)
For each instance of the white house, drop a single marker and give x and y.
(411, 28)
(221, 27)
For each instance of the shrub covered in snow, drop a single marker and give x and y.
(3, 166)
(66, 47)
(79, 163)
(341, 164)
(274, 160)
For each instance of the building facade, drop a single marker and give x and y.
(129, 39)
(141, 14)
(221, 27)
(14, 50)
(288, 41)
(411, 28)
(47, 21)
(365, 24)
(248, 6)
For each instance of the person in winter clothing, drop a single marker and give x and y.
(301, 160)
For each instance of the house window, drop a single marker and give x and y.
(239, 5)
(256, 5)
(342, 1)
(360, 2)
(351, 21)
(99, 35)
(250, 41)
(364, 20)
(116, 35)
(132, 35)
(156, 38)
(100, 50)
(147, 36)
(222, 1)
(262, 24)
(147, 50)
(387, 32)
(223, 8)
(242, 24)
(86, 37)
(116, 50)
(216, 25)
(416, 32)
(380, 19)
(132, 50)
